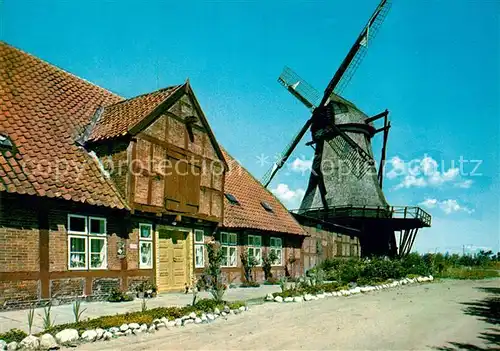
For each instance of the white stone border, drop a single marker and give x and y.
(71, 336)
(353, 291)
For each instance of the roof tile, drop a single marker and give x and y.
(43, 108)
(249, 213)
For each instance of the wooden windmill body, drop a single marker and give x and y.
(345, 187)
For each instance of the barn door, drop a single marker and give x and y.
(182, 190)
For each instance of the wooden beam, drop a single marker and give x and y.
(378, 116)
(380, 175)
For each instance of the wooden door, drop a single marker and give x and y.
(174, 260)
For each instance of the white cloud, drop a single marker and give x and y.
(466, 184)
(290, 198)
(429, 203)
(301, 165)
(422, 173)
(447, 206)
(411, 181)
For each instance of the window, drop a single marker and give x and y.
(266, 206)
(199, 249)
(232, 199)
(276, 246)
(229, 242)
(5, 142)
(145, 246)
(87, 242)
(255, 248)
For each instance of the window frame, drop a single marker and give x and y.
(275, 247)
(254, 247)
(87, 236)
(105, 226)
(197, 244)
(227, 246)
(76, 232)
(148, 241)
(105, 248)
(84, 237)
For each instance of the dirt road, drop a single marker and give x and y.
(443, 315)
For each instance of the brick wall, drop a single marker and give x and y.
(67, 287)
(103, 286)
(12, 292)
(19, 249)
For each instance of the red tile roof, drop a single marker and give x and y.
(250, 213)
(43, 109)
(119, 118)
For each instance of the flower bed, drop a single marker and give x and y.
(108, 327)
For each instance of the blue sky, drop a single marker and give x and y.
(434, 65)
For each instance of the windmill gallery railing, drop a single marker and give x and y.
(378, 212)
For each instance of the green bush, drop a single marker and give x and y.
(208, 305)
(117, 295)
(249, 284)
(236, 304)
(13, 335)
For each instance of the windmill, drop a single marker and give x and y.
(344, 186)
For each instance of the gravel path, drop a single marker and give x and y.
(427, 316)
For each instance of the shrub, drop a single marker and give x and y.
(13, 335)
(248, 262)
(208, 305)
(117, 295)
(213, 273)
(469, 273)
(77, 311)
(267, 263)
(146, 288)
(249, 284)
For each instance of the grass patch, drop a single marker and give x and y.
(468, 273)
(13, 335)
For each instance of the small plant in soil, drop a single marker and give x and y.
(77, 310)
(31, 317)
(47, 320)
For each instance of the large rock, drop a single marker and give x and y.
(431, 278)
(128, 332)
(356, 290)
(144, 327)
(67, 336)
(227, 309)
(308, 297)
(178, 322)
(216, 310)
(152, 328)
(48, 342)
(89, 336)
(288, 299)
(188, 321)
(114, 330)
(192, 315)
(134, 326)
(278, 299)
(107, 336)
(197, 320)
(30, 342)
(243, 308)
(298, 299)
(171, 324)
(12, 346)
(124, 328)
(210, 317)
(269, 297)
(100, 333)
(3, 345)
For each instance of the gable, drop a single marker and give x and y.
(180, 167)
